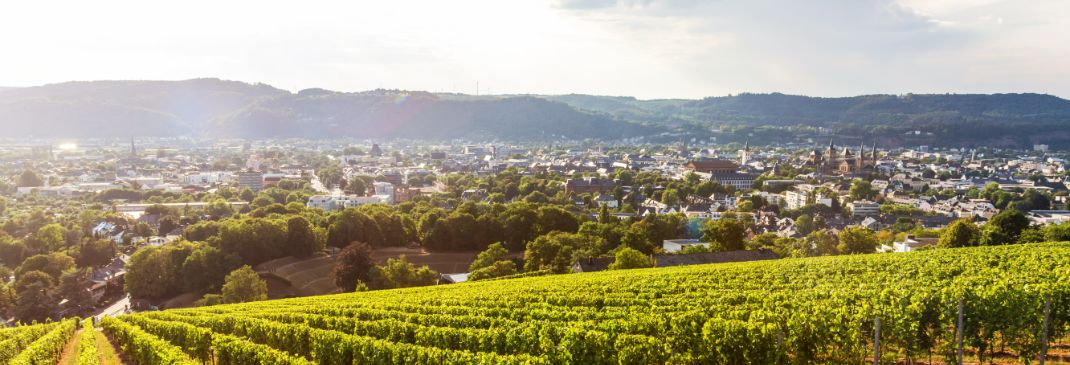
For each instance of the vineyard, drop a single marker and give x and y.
(817, 310)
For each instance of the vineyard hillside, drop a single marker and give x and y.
(814, 310)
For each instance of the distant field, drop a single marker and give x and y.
(817, 310)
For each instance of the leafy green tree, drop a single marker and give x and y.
(400, 273)
(1053, 232)
(823, 242)
(74, 286)
(302, 240)
(155, 272)
(861, 190)
(638, 237)
(29, 178)
(495, 270)
(1004, 228)
(206, 267)
(53, 264)
(804, 224)
(555, 251)
(725, 234)
(94, 253)
(857, 239)
(494, 253)
(12, 251)
(51, 237)
(354, 265)
(627, 258)
(209, 299)
(244, 285)
(960, 233)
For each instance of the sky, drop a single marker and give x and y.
(643, 48)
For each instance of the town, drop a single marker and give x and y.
(103, 227)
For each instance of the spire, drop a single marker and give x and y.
(873, 150)
(133, 150)
(746, 145)
(831, 146)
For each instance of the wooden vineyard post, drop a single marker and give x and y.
(1044, 330)
(958, 335)
(876, 340)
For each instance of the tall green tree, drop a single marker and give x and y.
(627, 258)
(960, 233)
(725, 234)
(244, 285)
(856, 239)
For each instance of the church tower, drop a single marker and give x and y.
(744, 154)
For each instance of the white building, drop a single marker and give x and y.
(671, 246)
(864, 208)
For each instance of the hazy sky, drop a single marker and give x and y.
(648, 49)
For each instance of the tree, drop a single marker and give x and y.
(358, 185)
(206, 267)
(208, 299)
(494, 253)
(51, 237)
(244, 285)
(725, 234)
(353, 266)
(400, 273)
(497, 269)
(804, 224)
(1004, 228)
(823, 242)
(12, 251)
(960, 233)
(155, 272)
(95, 253)
(628, 258)
(856, 239)
(53, 264)
(29, 178)
(74, 286)
(638, 237)
(861, 190)
(555, 251)
(302, 240)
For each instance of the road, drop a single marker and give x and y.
(119, 307)
(317, 185)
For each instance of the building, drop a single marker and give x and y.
(864, 208)
(846, 161)
(741, 182)
(385, 191)
(744, 154)
(672, 246)
(591, 185)
(712, 166)
(250, 179)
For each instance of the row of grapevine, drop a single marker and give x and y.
(143, 348)
(18, 338)
(87, 344)
(47, 349)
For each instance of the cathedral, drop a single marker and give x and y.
(846, 162)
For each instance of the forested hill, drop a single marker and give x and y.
(217, 108)
(781, 109)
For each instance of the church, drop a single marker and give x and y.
(845, 162)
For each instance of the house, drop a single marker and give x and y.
(677, 245)
(909, 244)
(607, 200)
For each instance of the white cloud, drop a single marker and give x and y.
(647, 48)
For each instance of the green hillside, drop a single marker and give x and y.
(816, 310)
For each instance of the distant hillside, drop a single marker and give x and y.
(217, 108)
(781, 109)
(1006, 120)
(212, 107)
